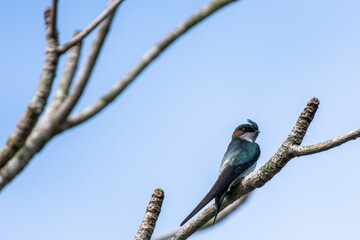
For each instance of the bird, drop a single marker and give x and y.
(239, 160)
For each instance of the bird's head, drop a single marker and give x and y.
(247, 131)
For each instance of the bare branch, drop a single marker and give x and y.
(320, 147)
(53, 21)
(69, 71)
(37, 104)
(48, 126)
(67, 78)
(19, 151)
(41, 134)
(146, 59)
(263, 175)
(86, 71)
(147, 226)
(221, 216)
(79, 37)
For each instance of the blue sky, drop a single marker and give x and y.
(261, 60)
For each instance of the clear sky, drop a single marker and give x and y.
(261, 60)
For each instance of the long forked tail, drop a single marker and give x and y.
(202, 204)
(220, 187)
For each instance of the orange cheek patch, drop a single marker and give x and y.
(238, 132)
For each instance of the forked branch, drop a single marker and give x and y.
(85, 72)
(57, 112)
(38, 103)
(67, 78)
(79, 37)
(146, 59)
(288, 150)
(31, 135)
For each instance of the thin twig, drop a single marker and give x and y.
(87, 69)
(79, 37)
(67, 78)
(146, 59)
(53, 21)
(320, 147)
(147, 226)
(38, 103)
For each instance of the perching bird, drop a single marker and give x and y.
(239, 160)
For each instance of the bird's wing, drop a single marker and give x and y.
(236, 161)
(241, 157)
(221, 185)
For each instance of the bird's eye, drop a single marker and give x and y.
(248, 129)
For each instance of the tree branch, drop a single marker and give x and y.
(79, 37)
(67, 78)
(53, 20)
(147, 226)
(221, 216)
(86, 71)
(146, 59)
(258, 178)
(49, 124)
(27, 139)
(37, 104)
(38, 138)
(320, 147)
